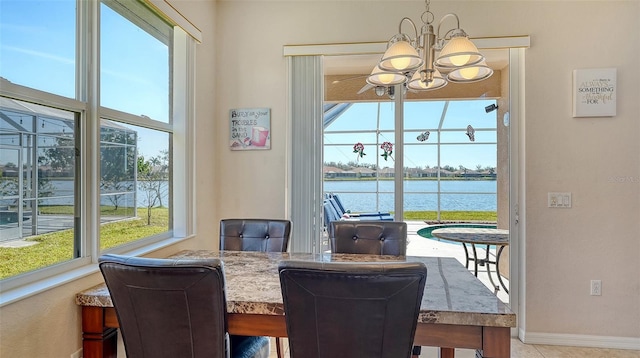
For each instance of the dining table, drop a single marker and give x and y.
(457, 310)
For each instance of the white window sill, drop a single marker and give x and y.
(21, 292)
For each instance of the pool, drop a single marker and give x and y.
(426, 232)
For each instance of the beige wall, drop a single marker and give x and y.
(565, 248)
(240, 64)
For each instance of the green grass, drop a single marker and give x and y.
(421, 178)
(57, 247)
(451, 215)
(106, 210)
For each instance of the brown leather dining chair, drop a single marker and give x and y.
(368, 237)
(171, 308)
(265, 235)
(351, 309)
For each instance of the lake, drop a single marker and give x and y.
(62, 194)
(420, 195)
(359, 195)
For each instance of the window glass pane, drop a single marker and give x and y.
(418, 158)
(460, 114)
(134, 63)
(366, 138)
(363, 179)
(465, 136)
(134, 183)
(420, 137)
(422, 115)
(458, 156)
(37, 181)
(37, 47)
(360, 116)
(343, 154)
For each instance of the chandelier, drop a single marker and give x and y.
(413, 62)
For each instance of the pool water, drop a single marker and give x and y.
(426, 232)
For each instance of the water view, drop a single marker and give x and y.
(420, 195)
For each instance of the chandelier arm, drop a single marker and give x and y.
(439, 38)
(415, 29)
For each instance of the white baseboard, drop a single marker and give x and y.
(577, 340)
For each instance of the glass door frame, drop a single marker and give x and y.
(516, 46)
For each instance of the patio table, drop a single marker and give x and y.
(479, 236)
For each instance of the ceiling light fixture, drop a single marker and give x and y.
(413, 61)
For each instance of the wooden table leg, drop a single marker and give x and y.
(496, 342)
(98, 340)
(447, 352)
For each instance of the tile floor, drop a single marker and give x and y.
(520, 350)
(419, 246)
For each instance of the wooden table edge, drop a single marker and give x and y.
(100, 324)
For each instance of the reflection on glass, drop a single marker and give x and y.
(37, 186)
(134, 183)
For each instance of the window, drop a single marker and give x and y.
(135, 79)
(71, 167)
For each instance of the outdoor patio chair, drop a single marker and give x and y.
(334, 199)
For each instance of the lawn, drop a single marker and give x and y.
(491, 216)
(57, 247)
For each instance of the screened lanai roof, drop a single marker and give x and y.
(333, 111)
(13, 123)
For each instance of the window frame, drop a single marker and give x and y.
(86, 106)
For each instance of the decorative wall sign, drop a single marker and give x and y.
(594, 92)
(250, 129)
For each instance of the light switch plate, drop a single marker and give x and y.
(559, 200)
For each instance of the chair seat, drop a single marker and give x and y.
(249, 347)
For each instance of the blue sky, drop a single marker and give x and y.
(420, 117)
(38, 50)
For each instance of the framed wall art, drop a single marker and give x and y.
(594, 92)
(250, 129)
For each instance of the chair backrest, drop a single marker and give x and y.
(368, 237)
(267, 235)
(351, 309)
(336, 206)
(337, 202)
(330, 214)
(168, 308)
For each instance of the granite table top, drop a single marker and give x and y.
(482, 236)
(452, 294)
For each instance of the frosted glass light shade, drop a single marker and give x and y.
(400, 56)
(380, 77)
(471, 73)
(417, 85)
(458, 52)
